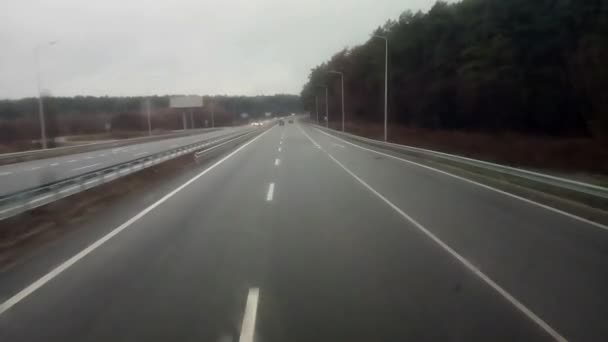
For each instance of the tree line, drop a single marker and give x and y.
(534, 67)
(90, 114)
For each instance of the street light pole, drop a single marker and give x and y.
(317, 107)
(149, 120)
(212, 114)
(40, 102)
(342, 92)
(40, 105)
(326, 107)
(385, 84)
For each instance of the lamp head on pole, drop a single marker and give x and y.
(379, 36)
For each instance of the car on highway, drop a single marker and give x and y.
(290, 121)
(281, 123)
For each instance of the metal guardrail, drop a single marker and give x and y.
(15, 157)
(16, 203)
(559, 182)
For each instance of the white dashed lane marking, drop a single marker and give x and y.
(249, 317)
(270, 193)
(85, 167)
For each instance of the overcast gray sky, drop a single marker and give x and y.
(129, 47)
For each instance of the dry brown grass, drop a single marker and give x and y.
(18, 146)
(561, 155)
(114, 135)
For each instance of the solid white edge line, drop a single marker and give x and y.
(249, 317)
(40, 199)
(270, 193)
(311, 139)
(10, 209)
(515, 302)
(91, 182)
(72, 188)
(9, 303)
(596, 224)
(277, 162)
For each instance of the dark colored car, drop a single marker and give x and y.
(281, 123)
(290, 121)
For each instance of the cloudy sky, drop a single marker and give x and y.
(136, 47)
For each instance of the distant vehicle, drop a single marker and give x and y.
(290, 121)
(281, 123)
(255, 123)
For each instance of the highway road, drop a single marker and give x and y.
(20, 176)
(300, 236)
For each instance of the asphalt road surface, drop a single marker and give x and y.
(299, 236)
(20, 176)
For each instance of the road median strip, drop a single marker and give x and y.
(17, 157)
(28, 199)
(23, 233)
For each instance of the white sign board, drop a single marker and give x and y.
(191, 101)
